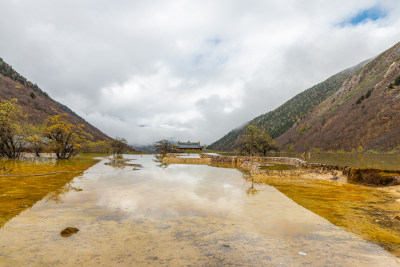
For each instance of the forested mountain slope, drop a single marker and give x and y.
(363, 114)
(281, 119)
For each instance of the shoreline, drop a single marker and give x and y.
(305, 170)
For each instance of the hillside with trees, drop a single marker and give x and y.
(56, 135)
(364, 114)
(37, 103)
(281, 119)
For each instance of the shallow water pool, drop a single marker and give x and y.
(176, 215)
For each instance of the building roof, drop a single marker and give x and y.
(189, 145)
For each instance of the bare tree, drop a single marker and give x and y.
(118, 146)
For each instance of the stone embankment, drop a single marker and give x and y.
(305, 170)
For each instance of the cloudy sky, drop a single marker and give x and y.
(187, 70)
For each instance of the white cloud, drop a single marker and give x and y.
(147, 70)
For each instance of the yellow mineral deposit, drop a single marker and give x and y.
(178, 214)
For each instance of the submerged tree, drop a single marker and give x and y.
(256, 141)
(164, 147)
(65, 139)
(12, 134)
(118, 146)
(35, 139)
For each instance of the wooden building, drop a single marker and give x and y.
(189, 146)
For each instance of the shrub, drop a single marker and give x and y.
(302, 129)
(33, 96)
(290, 148)
(397, 81)
(368, 94)
(315, 150)
(360, 99)
(391, 86)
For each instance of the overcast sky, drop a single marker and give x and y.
(187, 70)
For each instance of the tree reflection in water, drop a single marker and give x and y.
(159, 159)
(251, 190)
(121, 163)
(56, 196)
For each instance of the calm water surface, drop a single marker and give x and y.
(171, 215)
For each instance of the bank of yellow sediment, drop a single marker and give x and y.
(253, 165)
(306, 170)
(176, 160)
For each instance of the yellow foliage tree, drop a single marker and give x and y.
(12, 134)
(65, 139)
(100, 146)
(35, 139)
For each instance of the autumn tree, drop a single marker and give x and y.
(35, 139)
(164, 147)
(65, 139)
(256, 141)
(12, 134)
(100, 146)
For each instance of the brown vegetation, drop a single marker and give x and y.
(39, 105)
(363, 114)
(278, 121)
(33, 122)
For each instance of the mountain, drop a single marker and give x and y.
(363, 114)
(281, 119)
(37, 103)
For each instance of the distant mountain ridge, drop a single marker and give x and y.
(37, 103)
(281, 119)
